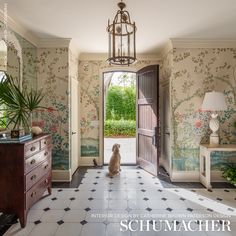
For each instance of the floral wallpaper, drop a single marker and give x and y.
(90, 81)
(194, 72)
(52, 76)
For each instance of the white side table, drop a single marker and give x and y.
(205, 160)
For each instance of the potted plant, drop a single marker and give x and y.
(16, 105)
(229, 173)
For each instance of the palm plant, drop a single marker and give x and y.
(16, 105)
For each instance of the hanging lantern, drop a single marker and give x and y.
(122, 47)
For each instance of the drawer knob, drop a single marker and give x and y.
(45, 167)
(33, 194)
(33, 177)
(32, 149)
(46, 153)
(45, 142)
(33, 161)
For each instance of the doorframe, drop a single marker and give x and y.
(101, 107)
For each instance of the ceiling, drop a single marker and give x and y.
(85, 21)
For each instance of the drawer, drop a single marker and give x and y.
(31, 149)
(36, 174)
(33, 161)
(45, 142)
(35, 193)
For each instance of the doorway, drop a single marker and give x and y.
(119, 106)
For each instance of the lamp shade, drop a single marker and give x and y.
(214, 101)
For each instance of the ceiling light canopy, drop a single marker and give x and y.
(122, 47)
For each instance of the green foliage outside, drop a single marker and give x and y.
(120, 103)
(116, 128)
(121, 107)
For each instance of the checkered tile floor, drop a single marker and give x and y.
(99, 203)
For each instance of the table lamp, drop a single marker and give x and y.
(214, 101)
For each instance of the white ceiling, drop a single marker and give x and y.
(85, 21)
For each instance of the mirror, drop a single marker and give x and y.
(11, 55)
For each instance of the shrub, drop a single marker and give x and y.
(120, 128)
(120, 103)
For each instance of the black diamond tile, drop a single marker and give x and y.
(77, 190)
(93, 190)
(163, 199)
(87, 209)
(37, 222)
(200, 199)
(111, 177)
(60, 222)
(143, 190)
(97, 177)
(176, 190)
(137, 172)
(209, 209)
(146, 199)
(139, 177)
(156, 183)
(159, 190)
(83, 222)
(193, 190)
(149, 209)
(46, 209)
(95, 183)
(219, 199)
(72, 198)
(226, 190)
(67, 209)
(169, 209)
(54, 199)
(141, 183)
(90, 199)
(109, 190)
(99, 172)
(230, 209)
(60, 190)
(110, 183)
(189, 209)
(182, 199)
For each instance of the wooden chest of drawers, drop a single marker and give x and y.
(25, 174)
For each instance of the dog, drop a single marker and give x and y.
(114, 164)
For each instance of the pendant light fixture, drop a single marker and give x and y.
(122, 47)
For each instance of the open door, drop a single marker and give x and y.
(148, 143)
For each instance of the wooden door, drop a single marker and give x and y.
(74, 113)
(147, 136)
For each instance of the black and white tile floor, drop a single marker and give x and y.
(99, 203)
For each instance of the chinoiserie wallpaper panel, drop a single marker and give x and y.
(194, 72)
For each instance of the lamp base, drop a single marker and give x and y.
(214, 140)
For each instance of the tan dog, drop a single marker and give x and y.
(114, 164)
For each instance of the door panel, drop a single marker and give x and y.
(74, 125)
(148, 119)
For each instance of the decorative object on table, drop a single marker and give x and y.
(17, 133)
(214, 101)
(122, 45)
(36, 130)
(229, 173)
(18, 105)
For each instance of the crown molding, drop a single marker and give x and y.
(19, 29)
(54, 42)
(203, 43)
(103, 57)
(74, 49)
(166, 48)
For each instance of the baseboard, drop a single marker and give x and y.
(61, 175)
(88, 161)
(193, 176)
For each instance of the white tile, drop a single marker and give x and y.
(74, 216)
(70, 229)
(92, 229)
(98, 204)
(52, 216)
(44, 229)
(60, 204)
(117, 215)
(41, 204)
(95, 216)
(34, 215)
(118, 204)
(16, 230)
(114, 229)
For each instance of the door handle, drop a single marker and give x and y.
(73, 133)
(154, 137)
